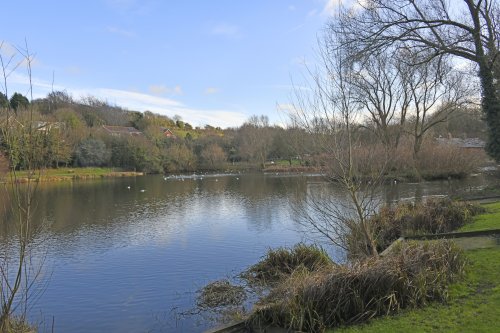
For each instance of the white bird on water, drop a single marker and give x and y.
(143, 190)
(128, 187)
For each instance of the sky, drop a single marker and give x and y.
(214, 62)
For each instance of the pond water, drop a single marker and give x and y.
(129, 260)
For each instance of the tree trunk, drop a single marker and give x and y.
(491, 107)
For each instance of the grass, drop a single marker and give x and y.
(286, 163)
(412, 275)
(473, 306)
(474, 303)
(73, 173)
(488, 220)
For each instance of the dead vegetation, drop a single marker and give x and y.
(431, 216)
(413, 275)
(220, 293)
(281, 263)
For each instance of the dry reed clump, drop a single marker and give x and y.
(281, 263)
(411, 276)
(428, 217)
(438, 161)
(220, 293)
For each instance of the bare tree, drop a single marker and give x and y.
(213, 155)
(331, 114)
(255, 138)
(380, 82)
(19, 274)
(436, 92)
(466, 29)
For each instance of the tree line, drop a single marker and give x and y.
(70, 133)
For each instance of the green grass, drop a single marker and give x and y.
(72, 173)
(474, 303)
(286, 163)
(489, 220)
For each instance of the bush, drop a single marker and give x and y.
(92, 152)
(281, 263)
(413, 275)
(428, 217)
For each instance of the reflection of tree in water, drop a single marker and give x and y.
(266, 199)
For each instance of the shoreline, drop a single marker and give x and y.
(67, 174)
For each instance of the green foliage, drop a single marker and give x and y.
(486, 221)
(18, 101)
(4, 101)
(27, 148)
(92, 120)
(473, 304)
(135, 153)
(179, 157)
(491, 107)
(414, 275)
(92, 152)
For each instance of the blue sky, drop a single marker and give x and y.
(212, 62)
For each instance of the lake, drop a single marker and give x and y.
(130, 260)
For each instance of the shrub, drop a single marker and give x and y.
(428, 217)
(411, 276)
(92, 152)
(281, 263)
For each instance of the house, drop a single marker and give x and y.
(120, 130)
(167, 133)
(467, 143)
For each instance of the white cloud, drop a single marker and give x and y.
(136, 101)
(331, 6)
(224, 29)
(211, 91)
(166, 106)
(164, 90)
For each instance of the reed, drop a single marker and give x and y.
(413, 275)
(279, 264)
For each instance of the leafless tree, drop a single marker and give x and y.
(19, 274)
(255, 139)
(436, 91)
(331, 113)
(380, 82)
(466, 29)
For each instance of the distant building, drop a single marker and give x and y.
(120, 130)
(167, 133)
(468, 143)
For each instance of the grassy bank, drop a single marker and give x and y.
(66, 174)
(474, 303)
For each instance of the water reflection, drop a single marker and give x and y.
(123, 258)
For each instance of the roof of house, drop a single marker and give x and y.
(122, 130)
(167, 131)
